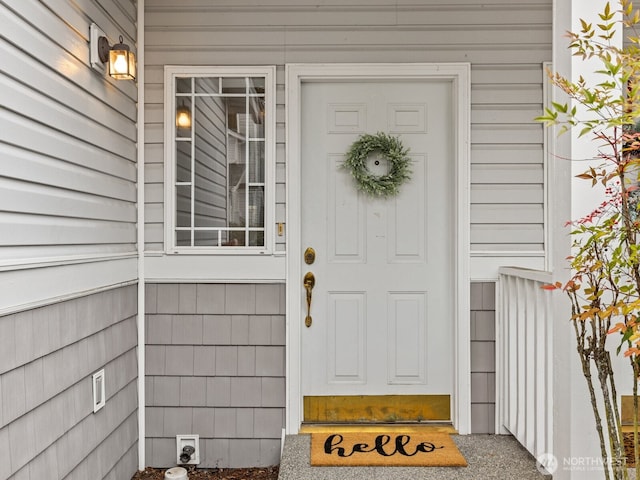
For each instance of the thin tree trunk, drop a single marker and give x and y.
(585, 361)
(636, 453)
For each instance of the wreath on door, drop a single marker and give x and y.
(392, 150)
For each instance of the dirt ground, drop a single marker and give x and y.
(260, 473)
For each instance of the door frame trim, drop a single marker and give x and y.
(460, 76)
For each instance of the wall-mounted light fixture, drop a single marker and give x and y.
(183, 117)
(119, 57)
(122, 61)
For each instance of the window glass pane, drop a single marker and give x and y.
(184, 117)
(207, 238)
(236, 195)
(233, 239)
(210, 163)
(183, 238)
(236, 118)
(183, 85)
(236, 155)
(234, 85)
(256, 162)
(256, 85)
(256, 118)
(256, 206)
(256, 239)
(207, 85)
(220, 161)
(183, 204)
(183, 161)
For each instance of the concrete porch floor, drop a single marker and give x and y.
(489, 457)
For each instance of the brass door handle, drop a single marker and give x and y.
(309, 282)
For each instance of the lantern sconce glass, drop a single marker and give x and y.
(120, 59)
(183, 117)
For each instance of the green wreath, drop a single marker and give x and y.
(392, 150)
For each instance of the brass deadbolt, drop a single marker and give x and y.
(309, 256)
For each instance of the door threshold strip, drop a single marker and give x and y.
(378, 427)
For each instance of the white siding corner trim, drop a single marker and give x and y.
(460, 76)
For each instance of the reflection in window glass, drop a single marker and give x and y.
(256, 238)
(256, 161)
(183, 206)
(256, 206)
(234, 85)
(256, 85)
(183, 238)
(183, 85)
(220, 162)
(207, 85)
(183, 161)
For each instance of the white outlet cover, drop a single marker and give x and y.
(99, 395)
(184, 440)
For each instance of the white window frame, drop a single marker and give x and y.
(171, 73)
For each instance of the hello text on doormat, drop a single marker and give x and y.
(385, 449)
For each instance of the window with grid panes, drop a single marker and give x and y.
(221, 157)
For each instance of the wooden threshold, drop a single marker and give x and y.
(378, 427)
(377, 408)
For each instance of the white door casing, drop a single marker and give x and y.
(454, 78)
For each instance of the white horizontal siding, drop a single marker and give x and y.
(20, 164)
(505, 42)
(36, 199)
(69, 60)
(67, 148)
(498, 173)
(354, 12)
(67, 227)
(39, 230)
(512, 213)
(506, 194)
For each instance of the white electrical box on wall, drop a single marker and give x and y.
(188, 449)
(94, 34)
(99, 397)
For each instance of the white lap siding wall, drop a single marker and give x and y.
(68, 299)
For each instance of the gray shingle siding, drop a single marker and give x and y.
(47, 425)
(215, 364)
(483, 364)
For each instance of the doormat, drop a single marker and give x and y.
(421, 449)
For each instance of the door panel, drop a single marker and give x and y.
(407, 344)
(346, 216)
(407, 219)
(382, 303)
(346, 335)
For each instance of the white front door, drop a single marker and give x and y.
(382, 306)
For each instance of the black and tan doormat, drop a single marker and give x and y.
(370, 448)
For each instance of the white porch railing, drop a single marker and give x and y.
(524, 350)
